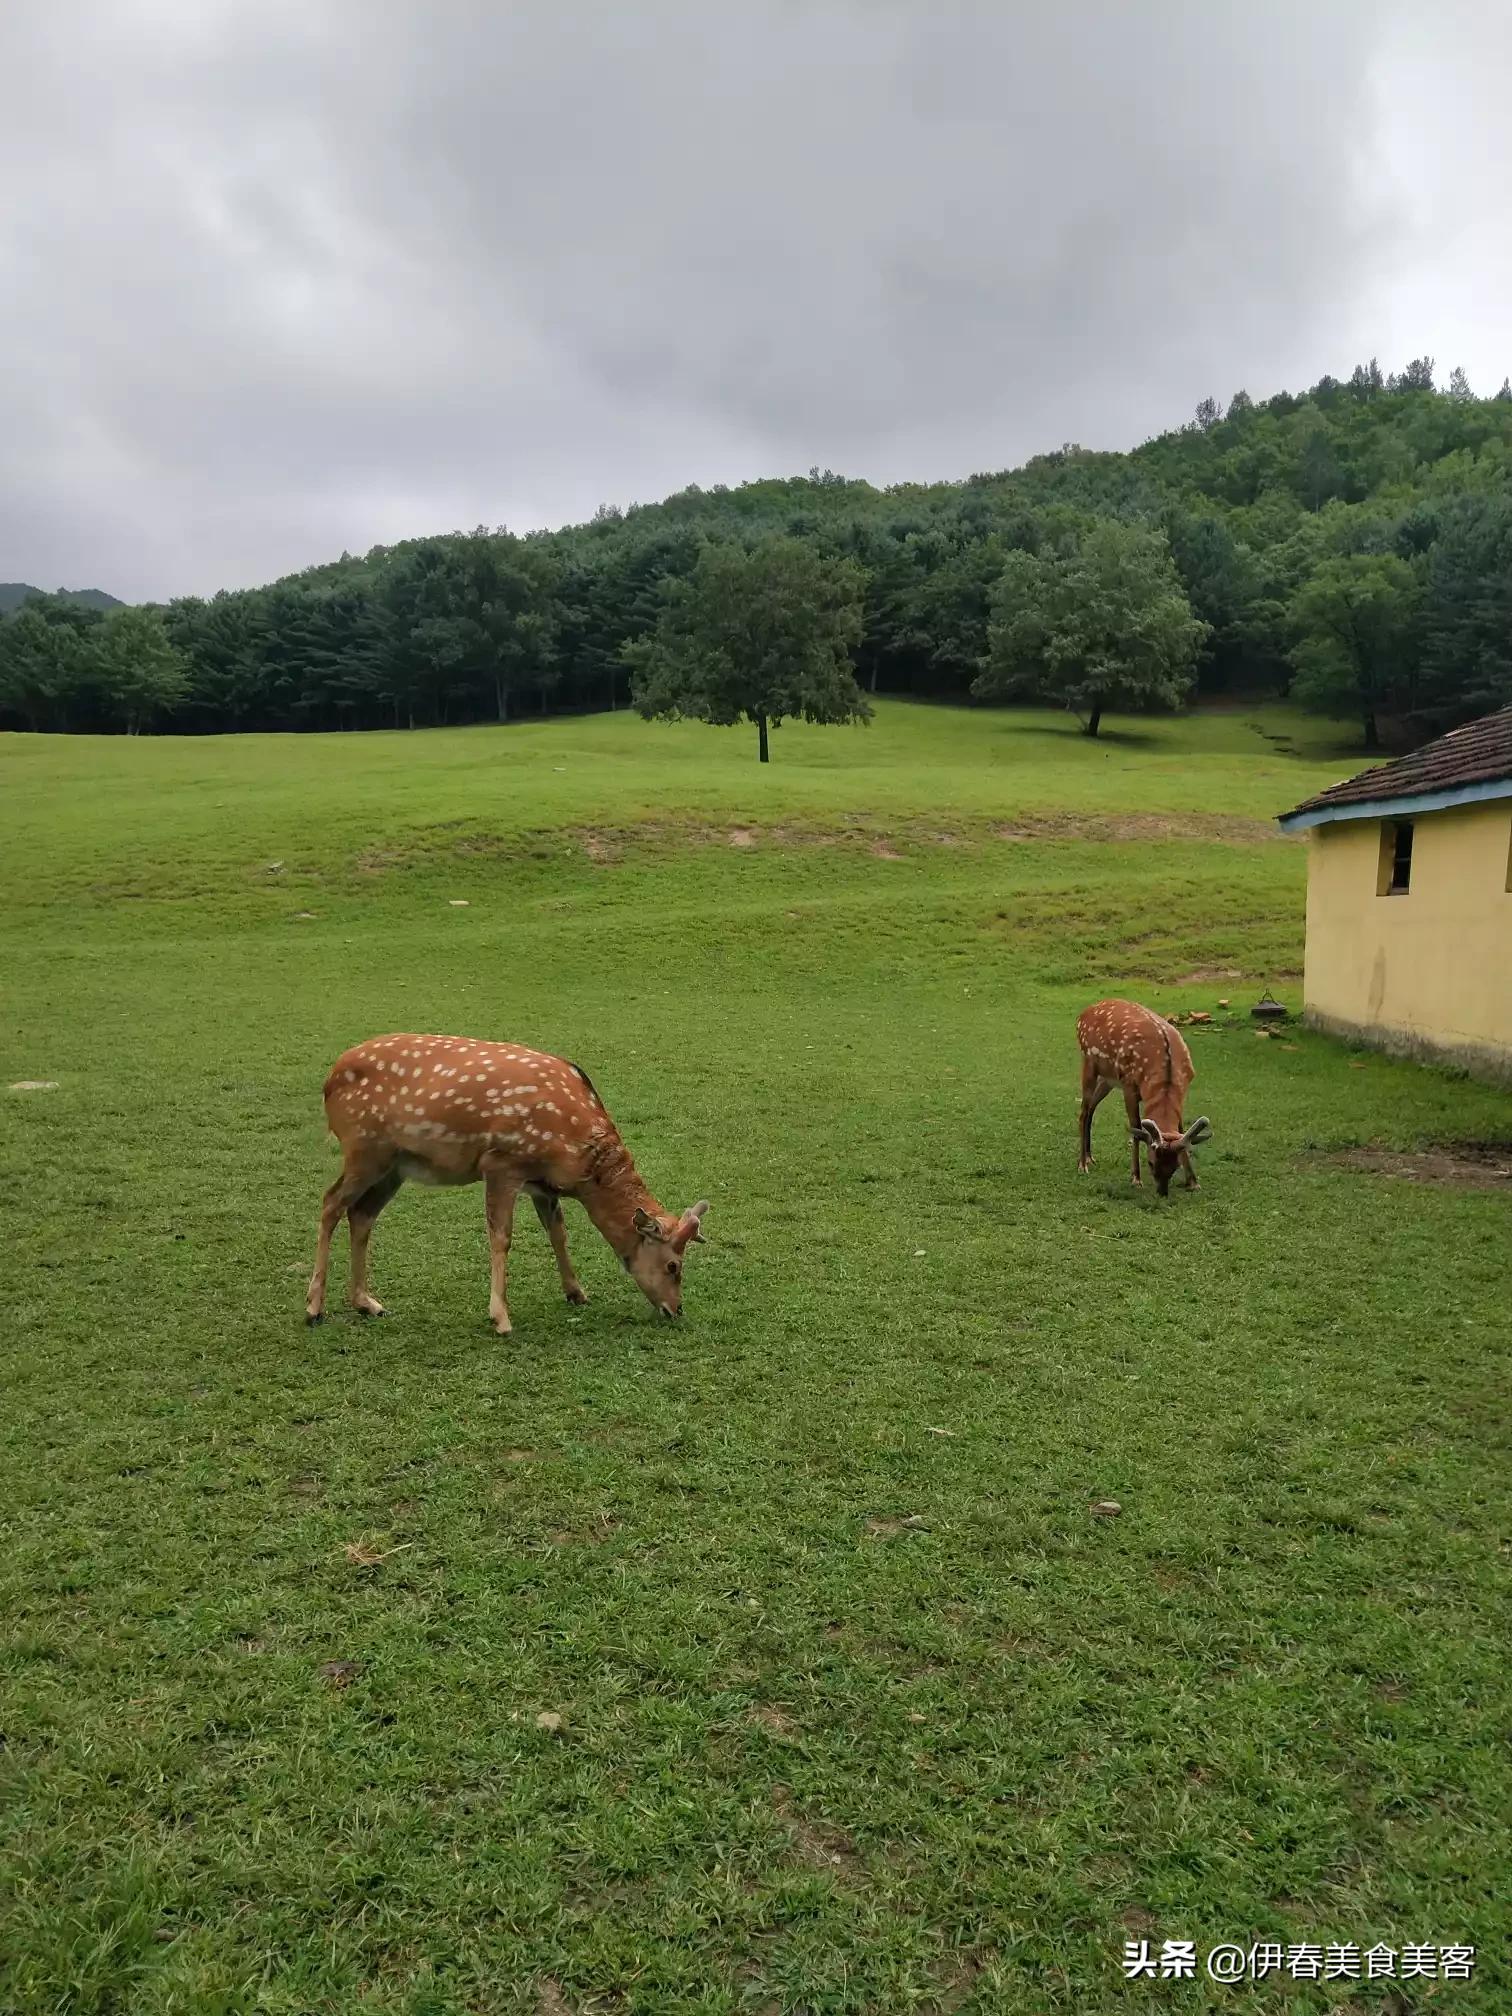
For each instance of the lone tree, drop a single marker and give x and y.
(1105, 624)
(754, 634)
(1354, 621)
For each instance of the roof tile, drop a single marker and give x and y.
(1478, 753)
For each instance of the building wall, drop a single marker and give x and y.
(1427, 973)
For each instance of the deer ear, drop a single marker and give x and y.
(647, 1226)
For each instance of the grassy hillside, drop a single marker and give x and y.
(862, 1708)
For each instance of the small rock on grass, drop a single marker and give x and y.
(1106, 1508)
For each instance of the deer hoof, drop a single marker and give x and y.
(577, 1297)
(504, 1329)
(370, 1309)
(314, 1317)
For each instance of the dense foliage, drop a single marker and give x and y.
(1355, 539)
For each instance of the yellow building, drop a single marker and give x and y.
(1409, 902)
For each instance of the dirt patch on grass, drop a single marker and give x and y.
(815, 1841)
(607, 846)
(772, 1720)
(1455, 1165)
(1126, 826)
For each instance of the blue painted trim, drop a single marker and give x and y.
(1394, 808)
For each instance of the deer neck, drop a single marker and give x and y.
(1163, 1106)
(612, 1193)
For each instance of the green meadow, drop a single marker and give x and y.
(776, 1661)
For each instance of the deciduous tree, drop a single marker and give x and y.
(1105, 624)
(755, 634)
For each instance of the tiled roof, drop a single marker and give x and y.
(1478, 753)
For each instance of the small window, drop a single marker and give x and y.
(1394, 875)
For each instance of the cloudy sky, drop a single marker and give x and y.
(283, 277)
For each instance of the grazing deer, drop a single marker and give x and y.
(1129, 1046)
(447, 1110)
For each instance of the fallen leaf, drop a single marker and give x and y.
(339, 1673)
(362, 1556)
(549, 1722)
(918, 1253)
(35, 1085)
(1107, 1508)
(771, 1719)
(948, 1432)
(457, 902)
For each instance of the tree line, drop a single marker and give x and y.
(1350, 545)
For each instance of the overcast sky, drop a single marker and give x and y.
(283, 278)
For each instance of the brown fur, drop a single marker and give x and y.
(448, 1110)
(1125, 1045)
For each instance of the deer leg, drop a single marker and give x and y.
(355, 1178)
(1094, 1091)
(1131, 1103)
(549, 1211)
(361, 1216)
(500, 1191)
(1191, 1173)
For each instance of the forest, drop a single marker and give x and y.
(1350, 545)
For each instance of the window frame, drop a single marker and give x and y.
(1394, 860)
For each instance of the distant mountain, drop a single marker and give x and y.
(14, 593)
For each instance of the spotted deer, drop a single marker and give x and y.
(1125, 1045)
(447, 1110)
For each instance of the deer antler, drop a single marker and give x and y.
(687, 1226)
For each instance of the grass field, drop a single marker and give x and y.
(861, 1707)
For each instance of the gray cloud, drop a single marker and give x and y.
(297, 277)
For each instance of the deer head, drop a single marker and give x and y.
(1166, 1150)
(657, 1261)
